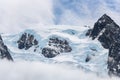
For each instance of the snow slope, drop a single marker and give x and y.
(82, 47)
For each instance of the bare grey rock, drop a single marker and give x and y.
(108, 33)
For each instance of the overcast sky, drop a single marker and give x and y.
(16, 15)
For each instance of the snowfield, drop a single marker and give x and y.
(33, 65)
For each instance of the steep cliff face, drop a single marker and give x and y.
(108, 33)
(4, 52)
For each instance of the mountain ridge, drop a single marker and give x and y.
(108, 33)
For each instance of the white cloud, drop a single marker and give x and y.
(86, 12)
(40, 71)
(16, 15)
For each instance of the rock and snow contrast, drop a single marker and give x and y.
(4, 52)
(70, 46)
(59, 39)
(108, 33)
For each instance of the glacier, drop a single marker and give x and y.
(83, 47)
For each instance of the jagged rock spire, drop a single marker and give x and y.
(102, 22)
(108, 33)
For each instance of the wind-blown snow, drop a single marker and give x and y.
(82, 47)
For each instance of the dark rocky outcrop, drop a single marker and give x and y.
(4, 53)
(88, 33)
(61, 45)
(114, 60)
(49, 53)
(56, 46)
(102, 23)
(88, 58)
(108, 33)
(26, 41)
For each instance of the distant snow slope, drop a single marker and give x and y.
(82, 48)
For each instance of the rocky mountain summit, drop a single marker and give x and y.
(108, 33)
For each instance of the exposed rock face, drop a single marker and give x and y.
(108, 33)
(88, 33)
(49, 53)
(55, 47)
(26, 41)
(114, 59)
(4, 53)
(61, 45)
(102, 23)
